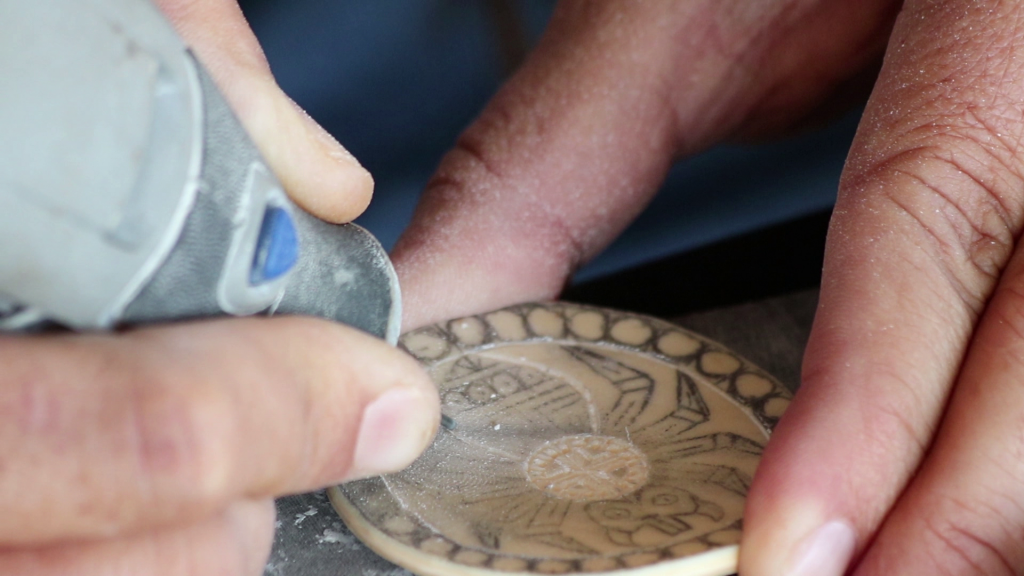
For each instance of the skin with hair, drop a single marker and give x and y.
(900, 454)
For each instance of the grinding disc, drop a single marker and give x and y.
(587, 441)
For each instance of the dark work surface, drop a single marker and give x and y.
(777, 260)
(771, 333)
(311, 540)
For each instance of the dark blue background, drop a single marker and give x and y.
(397, 80)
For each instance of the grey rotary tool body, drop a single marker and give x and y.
(130, 193)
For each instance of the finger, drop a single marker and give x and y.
(574, 146)
(235, 542)
(314, 168)
(549, 172)
(104, 435)
(929, 210)
(964, 512)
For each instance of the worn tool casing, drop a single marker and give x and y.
(130, 193)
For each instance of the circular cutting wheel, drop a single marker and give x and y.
(587, 441)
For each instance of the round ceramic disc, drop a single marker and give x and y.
(587, 441)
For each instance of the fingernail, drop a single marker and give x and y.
(825, 552)
(395, 430)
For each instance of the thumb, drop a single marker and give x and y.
(318, 173)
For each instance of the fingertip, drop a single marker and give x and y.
(337, 195)
(765, 545)
(337, 188)
(318, 173)
(800, 517)
(399, 423)
(395, 429)
(825, 551)
(376, 409)
(799, 540)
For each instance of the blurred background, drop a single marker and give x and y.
(396, 81)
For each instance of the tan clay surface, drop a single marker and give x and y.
(588, 441)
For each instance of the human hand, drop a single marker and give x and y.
(902, 450)
(904, 441)
(159, 451)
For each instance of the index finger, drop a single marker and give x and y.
(318, 173)
(103, 434)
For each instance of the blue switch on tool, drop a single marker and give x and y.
(277, 249)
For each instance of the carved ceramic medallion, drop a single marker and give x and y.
(587, 441)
